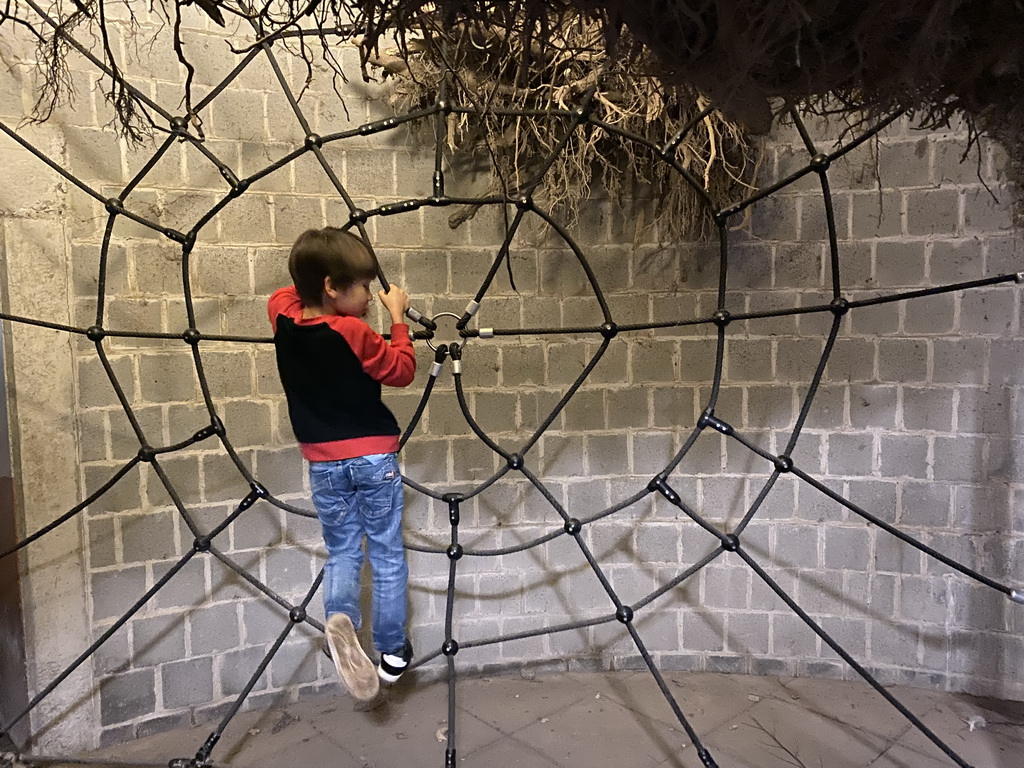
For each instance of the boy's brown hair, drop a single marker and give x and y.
(328, 252)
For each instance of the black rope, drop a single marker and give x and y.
(774, 586)
(296, 615)
(74, 510)
(5, 728)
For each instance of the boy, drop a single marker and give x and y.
(332, 366)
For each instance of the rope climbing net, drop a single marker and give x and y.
(517, 461)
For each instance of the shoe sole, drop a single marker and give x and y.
(354, 667)
(386, 677)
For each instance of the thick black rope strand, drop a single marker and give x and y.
(296, 615)
(904, 537)
(827, 639)
(75, 509)
(5, 728)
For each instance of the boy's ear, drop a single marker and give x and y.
(329, 288)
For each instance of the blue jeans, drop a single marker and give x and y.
(356, 498)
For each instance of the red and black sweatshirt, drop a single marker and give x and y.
(332, 368)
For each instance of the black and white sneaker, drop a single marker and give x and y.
(393, 665)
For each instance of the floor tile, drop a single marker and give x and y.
(599, 720)
(313, 752)
(268, 746)
(900, 757)
(917, 700)
(511, 703)
(856, 704)
(997, 740)
(412, 722)
(780, 734)
(601, 732)
(706, 700)
(507, 752)
(252, 732)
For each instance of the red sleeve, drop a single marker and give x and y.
(392, 364)
(284, 301)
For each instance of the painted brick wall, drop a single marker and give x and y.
(918, 418)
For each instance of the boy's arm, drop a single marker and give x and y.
(400, 369)
(284, 301)
(392, 364)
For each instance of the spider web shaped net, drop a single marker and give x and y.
(517, 460)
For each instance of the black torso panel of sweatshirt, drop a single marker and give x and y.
(330, 396)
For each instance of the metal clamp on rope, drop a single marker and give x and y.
(416, 317)
(1017, 596)
(439, 355)
(456, 353)
(486, 333)
(471, 309)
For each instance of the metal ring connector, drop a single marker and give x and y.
(445, 314)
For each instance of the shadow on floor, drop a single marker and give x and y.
(592, 720)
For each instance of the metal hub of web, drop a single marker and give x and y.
(515, 460)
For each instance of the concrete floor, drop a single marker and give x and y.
(613, 719)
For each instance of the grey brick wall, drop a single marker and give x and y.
(918, 418)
